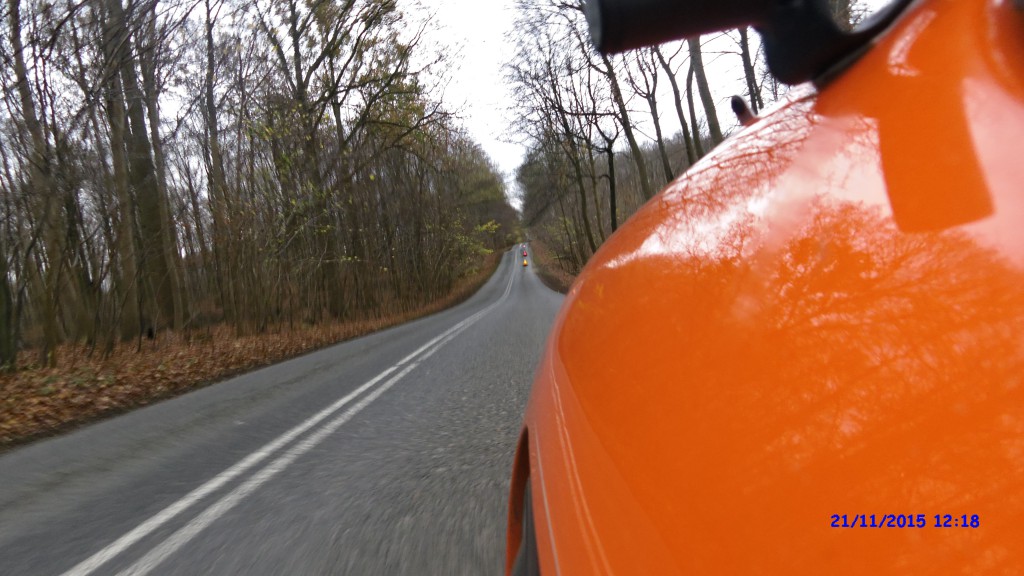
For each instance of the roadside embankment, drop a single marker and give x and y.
(548, 268)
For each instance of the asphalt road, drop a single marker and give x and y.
(388, 454)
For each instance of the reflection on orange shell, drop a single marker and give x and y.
(794, 330)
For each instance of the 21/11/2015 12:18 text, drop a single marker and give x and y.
(905, 521)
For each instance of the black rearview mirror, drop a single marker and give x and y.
(802, 41)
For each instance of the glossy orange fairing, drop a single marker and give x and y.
(823, 317)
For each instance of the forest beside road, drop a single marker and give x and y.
(169, 166)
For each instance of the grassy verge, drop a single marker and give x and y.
(38, 402)
(548, 269)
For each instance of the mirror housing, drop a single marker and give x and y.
(801, 39)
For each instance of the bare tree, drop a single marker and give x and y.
(697, 67)
(303, 145)
(691, 151)
(644, 82)
(749, 75)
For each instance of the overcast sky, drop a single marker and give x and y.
(473, 33)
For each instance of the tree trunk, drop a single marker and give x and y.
(691, 152)
(665, 164)
(650, 94)
(577, 259)
(143, 177)
(8, 345)
(83, 289)
(219, 202)
(106, 301)
(592, 164)
(126, 277)
(333, 269)
(44, 188)
(697, 145)
(610, 151)
(753, 90)
(574, 159)
(147, 65)
(627, 128)
(697, 65)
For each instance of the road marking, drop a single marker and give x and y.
(215, 511)
(173, 543)
(90, 564)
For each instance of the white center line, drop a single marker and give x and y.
(215, 511)
(90, 564)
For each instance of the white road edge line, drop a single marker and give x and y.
(90, 564)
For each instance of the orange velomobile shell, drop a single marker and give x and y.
(821, 323)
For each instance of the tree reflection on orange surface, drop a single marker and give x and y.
(804, 362)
